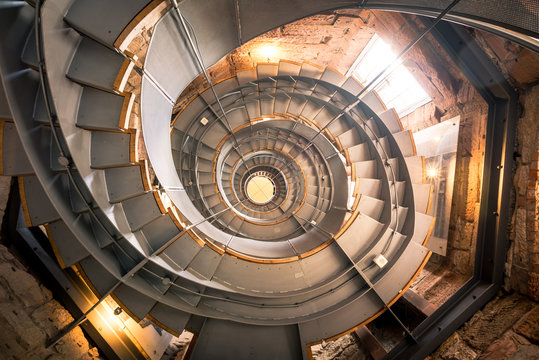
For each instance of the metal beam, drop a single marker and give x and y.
(74, 295)
(371, 343)
(418, 302)
(495, 195)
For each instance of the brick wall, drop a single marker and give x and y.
(522, 267)
(29, 315)
(506, 328)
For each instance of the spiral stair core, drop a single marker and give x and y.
(284, 211)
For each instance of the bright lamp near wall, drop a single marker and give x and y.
(267, 51)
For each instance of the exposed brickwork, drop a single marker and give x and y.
(499, 332)
(468, 176)
(332, 39)
(506, 328)
(521, 68)
(436, 283)
(28, 313)
(345, 348)
(522, 269)
(519, 64)
(30, 316)
(427, 60)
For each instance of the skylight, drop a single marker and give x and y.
(399, 89)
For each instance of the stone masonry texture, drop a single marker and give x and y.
(30, 316)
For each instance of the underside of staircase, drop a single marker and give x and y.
(333, 240)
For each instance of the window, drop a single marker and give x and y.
(399, 89)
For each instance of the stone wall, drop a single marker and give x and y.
(346, 347)
(30, 316)
(506, 328)
(28, 313)
(332, 39)
(520, 66)
(522, 268)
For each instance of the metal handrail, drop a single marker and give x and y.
(385, 161)
(280, 170)
(193, 42)
(63, 158)
(66, 162)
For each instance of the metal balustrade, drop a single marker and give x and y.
(188, 264)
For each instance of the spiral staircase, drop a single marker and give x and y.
(284, 210)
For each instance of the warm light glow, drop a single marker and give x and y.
(432, 173)
(268, 51)
(260, 189)
(437, 138)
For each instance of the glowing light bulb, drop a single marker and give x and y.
(432, 173)
(268, 51)
(437, 138)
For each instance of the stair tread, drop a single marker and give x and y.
(95, 65)
(113, 17)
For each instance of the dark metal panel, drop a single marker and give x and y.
(160, 231)
(29, 54)
(5, 113)
(14, 160)
(511, 19)
(124, 183)
(103, 20)
(39, 207)
(99, 110)
(110, 149)
(137, 303)
(167, 54)
(221, 339)
(95, 65)
(214, 24)
(171, 318)
(68, 249)
(495, 196)
(132, 209)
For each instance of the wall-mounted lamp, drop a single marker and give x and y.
(268, 51)
(432, 173)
